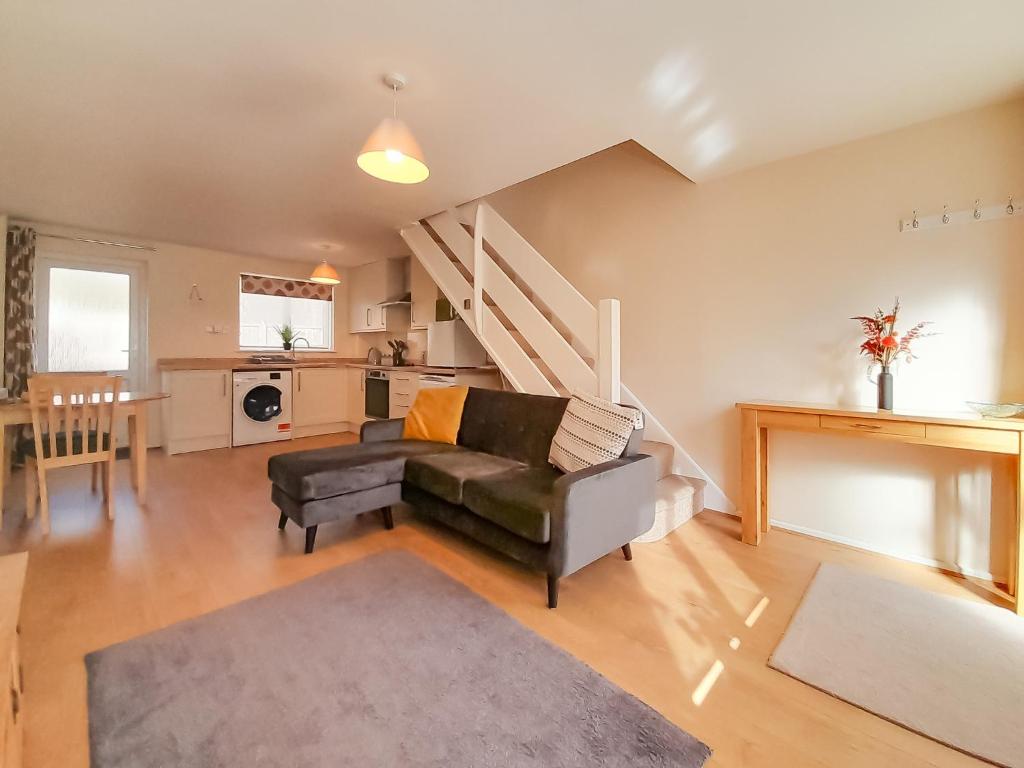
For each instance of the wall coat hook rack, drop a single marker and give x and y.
(977, 212)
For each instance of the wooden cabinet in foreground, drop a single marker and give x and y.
(197, 415)
(12, 684)
(320, 401)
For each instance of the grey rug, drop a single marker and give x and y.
(385, 662)
(947, 668)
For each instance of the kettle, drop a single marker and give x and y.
(373, 356)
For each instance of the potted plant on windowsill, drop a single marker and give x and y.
(884, 345)
(288, 336)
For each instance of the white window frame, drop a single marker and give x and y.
(277, 348)
(137, 374)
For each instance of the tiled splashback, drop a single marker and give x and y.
(416, 339)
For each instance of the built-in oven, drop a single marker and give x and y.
(378, 395)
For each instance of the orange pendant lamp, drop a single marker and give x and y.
(392, 152)
(325, 274)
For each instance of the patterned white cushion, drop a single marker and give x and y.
(592, 431)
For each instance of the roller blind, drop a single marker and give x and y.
(282, 286)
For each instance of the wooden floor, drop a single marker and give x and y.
(660, 626)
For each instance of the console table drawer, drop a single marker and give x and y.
(869, 426)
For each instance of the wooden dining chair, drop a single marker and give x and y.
(79, 374)
(73, 420)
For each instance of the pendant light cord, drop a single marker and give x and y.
(395, 102)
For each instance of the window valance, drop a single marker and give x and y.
(282, 286)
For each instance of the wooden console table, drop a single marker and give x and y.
(964, 431)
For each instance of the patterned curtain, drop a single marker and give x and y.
(19, 310)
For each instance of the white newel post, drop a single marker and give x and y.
(478, 269)
(608, 381)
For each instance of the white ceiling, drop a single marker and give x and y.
(234, 124)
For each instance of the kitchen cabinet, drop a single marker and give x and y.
(402, 392)
(356, 398)
(424, 295)
(197, 415)
(370, 285)
(319, 401)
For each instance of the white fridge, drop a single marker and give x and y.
(450, 344)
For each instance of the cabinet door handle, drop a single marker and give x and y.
(224, 385)
(367, 317)
(868, 426)
(300, 381)
(362, 381)
(15, 703)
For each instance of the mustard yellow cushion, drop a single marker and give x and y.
(436, 414)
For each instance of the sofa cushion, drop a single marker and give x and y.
(511, 424)
(518, 500)
(436, 415)
(593, 431)
(325, 472)
(445, 474)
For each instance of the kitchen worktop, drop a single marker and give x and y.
(243, 364)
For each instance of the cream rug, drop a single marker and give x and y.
(947, 668)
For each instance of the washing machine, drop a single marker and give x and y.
(262, 407)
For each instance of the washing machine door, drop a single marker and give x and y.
(262, 403)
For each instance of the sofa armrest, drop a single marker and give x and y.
(599, 509)
(378, 431)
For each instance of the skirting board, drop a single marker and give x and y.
(324, 429)
(856, 544)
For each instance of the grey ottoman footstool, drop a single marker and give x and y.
(328, 484)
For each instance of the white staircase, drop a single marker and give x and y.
(546, 337)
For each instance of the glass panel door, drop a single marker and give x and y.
(89, 318)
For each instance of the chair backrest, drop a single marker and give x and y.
(66, 408)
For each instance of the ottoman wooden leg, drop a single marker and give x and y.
(282, 521)
(310, 538)
(389, 520)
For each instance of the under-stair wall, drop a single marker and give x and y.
(545, 336)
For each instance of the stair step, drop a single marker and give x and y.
(678, 499)
(663, 452)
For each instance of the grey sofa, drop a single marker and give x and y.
(495, 486)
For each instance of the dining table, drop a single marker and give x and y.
(132, 406)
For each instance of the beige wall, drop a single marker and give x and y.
(177, 325)
(741, 288)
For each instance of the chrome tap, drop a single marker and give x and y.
(295, 341)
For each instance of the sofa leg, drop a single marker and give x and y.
(282, 521)
(310, 538)
(627, 551)
(389, 520)
(552, 591)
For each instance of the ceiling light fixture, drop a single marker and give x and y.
(392, 152)
(324, 272)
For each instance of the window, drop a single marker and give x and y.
(268, 303)
(90, 316)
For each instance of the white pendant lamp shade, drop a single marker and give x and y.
(325, 274)
(392, 152)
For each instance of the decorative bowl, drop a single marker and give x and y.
(997, 410)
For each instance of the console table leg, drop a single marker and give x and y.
(766, 524)
(751, 458)
(1016, 567)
